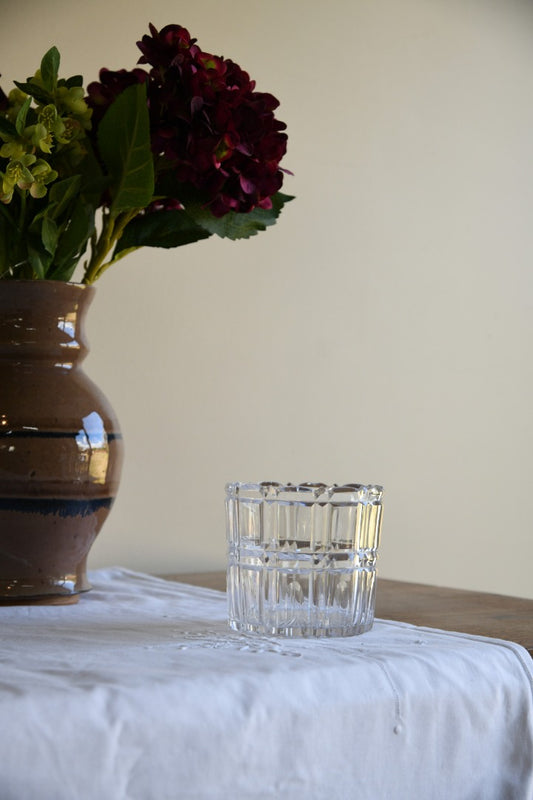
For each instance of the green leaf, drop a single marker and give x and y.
(42, 241)
(60, 201)
(124, 143)
(93, 181)
(161, 229)
(7, 128)
(41, 95)
(38, 257)
(13, 245)
(74, 80)
(62, 194)
(73, 242)
(49, 235)
(5, 264)
(20, 123)
(238, 226)
(50, 68)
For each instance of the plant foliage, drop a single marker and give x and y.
(157, 158)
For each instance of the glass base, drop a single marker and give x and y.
(300, 602)
(299, 631)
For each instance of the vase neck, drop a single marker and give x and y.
(44, 321)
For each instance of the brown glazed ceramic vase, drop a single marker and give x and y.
(60, 444)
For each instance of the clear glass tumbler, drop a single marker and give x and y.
(302, 558)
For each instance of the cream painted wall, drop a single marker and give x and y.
(381, 331)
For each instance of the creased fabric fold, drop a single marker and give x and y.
(141, 691)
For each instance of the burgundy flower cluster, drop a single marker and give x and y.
(209, 126)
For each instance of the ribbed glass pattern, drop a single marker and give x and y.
(302, 558)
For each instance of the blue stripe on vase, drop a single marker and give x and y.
(30, 434)
(60, 507)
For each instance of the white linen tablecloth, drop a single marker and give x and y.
(141, 692)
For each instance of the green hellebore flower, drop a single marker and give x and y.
(18, 174)
(71, 100)
(48, 116)
(37, 190)
(70, 129)
(42, 174)
(16, 98)
(61, 129)
(42, 170)
(40, 137)
(14, 149)
(5, 196)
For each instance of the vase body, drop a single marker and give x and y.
(60, 444)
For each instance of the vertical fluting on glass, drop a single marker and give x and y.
(302, 558)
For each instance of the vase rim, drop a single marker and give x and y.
(43, 288)
(38, 281)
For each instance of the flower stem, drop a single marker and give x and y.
(112, 229)
(7, 215)
(22, 215)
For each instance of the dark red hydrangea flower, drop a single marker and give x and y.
(165, 204)
(208, 124)
(101, 95)
(166, 48)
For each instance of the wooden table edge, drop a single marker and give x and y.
(461, 610)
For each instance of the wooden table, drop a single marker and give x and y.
(479, 613)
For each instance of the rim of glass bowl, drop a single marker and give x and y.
(309, 492)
